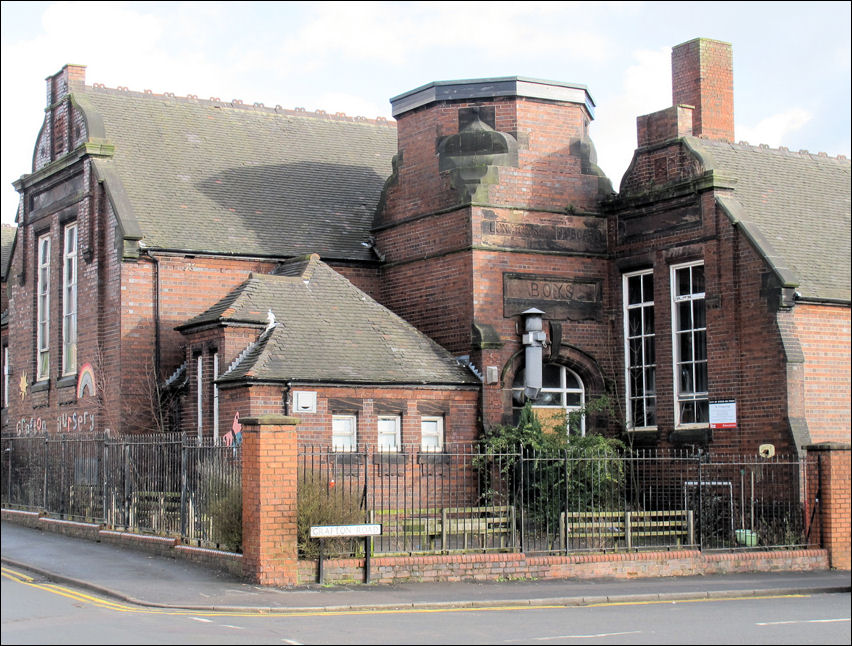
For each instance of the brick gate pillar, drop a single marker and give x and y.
(269, 466)
(833, 462)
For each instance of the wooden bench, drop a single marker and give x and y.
(161, 507)
(84, 500)
(627, 526)
(429, 525)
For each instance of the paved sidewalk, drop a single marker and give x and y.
(140, 578)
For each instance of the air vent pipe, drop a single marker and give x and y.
(533, 339)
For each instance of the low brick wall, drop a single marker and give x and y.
(458, 567)
(628, 565)
(159, 545)
(229, 562)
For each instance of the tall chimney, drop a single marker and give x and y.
(703, 77)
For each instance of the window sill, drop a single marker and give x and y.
(347, 457)
(433, 457)
(389, 458)
(68, 381)
(40, 386)
(697, 434)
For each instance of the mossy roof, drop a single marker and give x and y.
(329, 331)
(207, 176)
(795, 206)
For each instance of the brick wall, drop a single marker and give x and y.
(269, 467)
(496, 567)
(459, 408)
(664, 125)
(584, 336)
(823, 333)
(72, 197)
(442, 277)
(462, 567)
(829, 479)
(703, 76)
(746, 355)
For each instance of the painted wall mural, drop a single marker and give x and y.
(86, 381)
(83, 421)
(234, 437)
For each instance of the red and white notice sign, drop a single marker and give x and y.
(723, 414)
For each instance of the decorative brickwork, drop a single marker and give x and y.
(270, 552)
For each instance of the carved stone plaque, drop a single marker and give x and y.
(559, 298)
(579, 234)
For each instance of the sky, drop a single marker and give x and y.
(791, 60)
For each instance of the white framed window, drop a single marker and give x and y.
(562, 389)
(344, 432)
(689, 345)
(640, 365)
(199, 392)
(215, 397)
(431, 434)
(43, 309)
(389, 439)
(69, 301)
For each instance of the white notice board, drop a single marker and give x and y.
(723, 414)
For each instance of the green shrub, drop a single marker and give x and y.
(219, 495)
(322, 503)
(227, 515)
(550, 471)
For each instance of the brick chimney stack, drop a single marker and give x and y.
(64, 81)
(703, 77)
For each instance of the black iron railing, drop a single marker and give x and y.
(167, 484)
(466, 498)
(460, 499)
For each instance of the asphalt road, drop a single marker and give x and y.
(36, 611)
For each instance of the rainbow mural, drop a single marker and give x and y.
(85, 380)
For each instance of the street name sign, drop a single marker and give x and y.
(343, 531)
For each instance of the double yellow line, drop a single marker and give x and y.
(24, 579)
(20, 577)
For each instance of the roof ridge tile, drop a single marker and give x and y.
(240, 104)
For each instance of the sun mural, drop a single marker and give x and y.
(23, 386)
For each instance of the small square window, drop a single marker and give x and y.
(343, 432)
(432, 434)
(389, 439)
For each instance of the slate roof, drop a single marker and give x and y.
(6, 242)
(329, 331)
(794, 206)
(207, 176)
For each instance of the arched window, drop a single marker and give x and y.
(562, 390)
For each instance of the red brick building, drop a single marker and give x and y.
(709, 298)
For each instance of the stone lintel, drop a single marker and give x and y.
(269, 420)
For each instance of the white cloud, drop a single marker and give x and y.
(396, 34)
(645, 88)
(774, 129)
